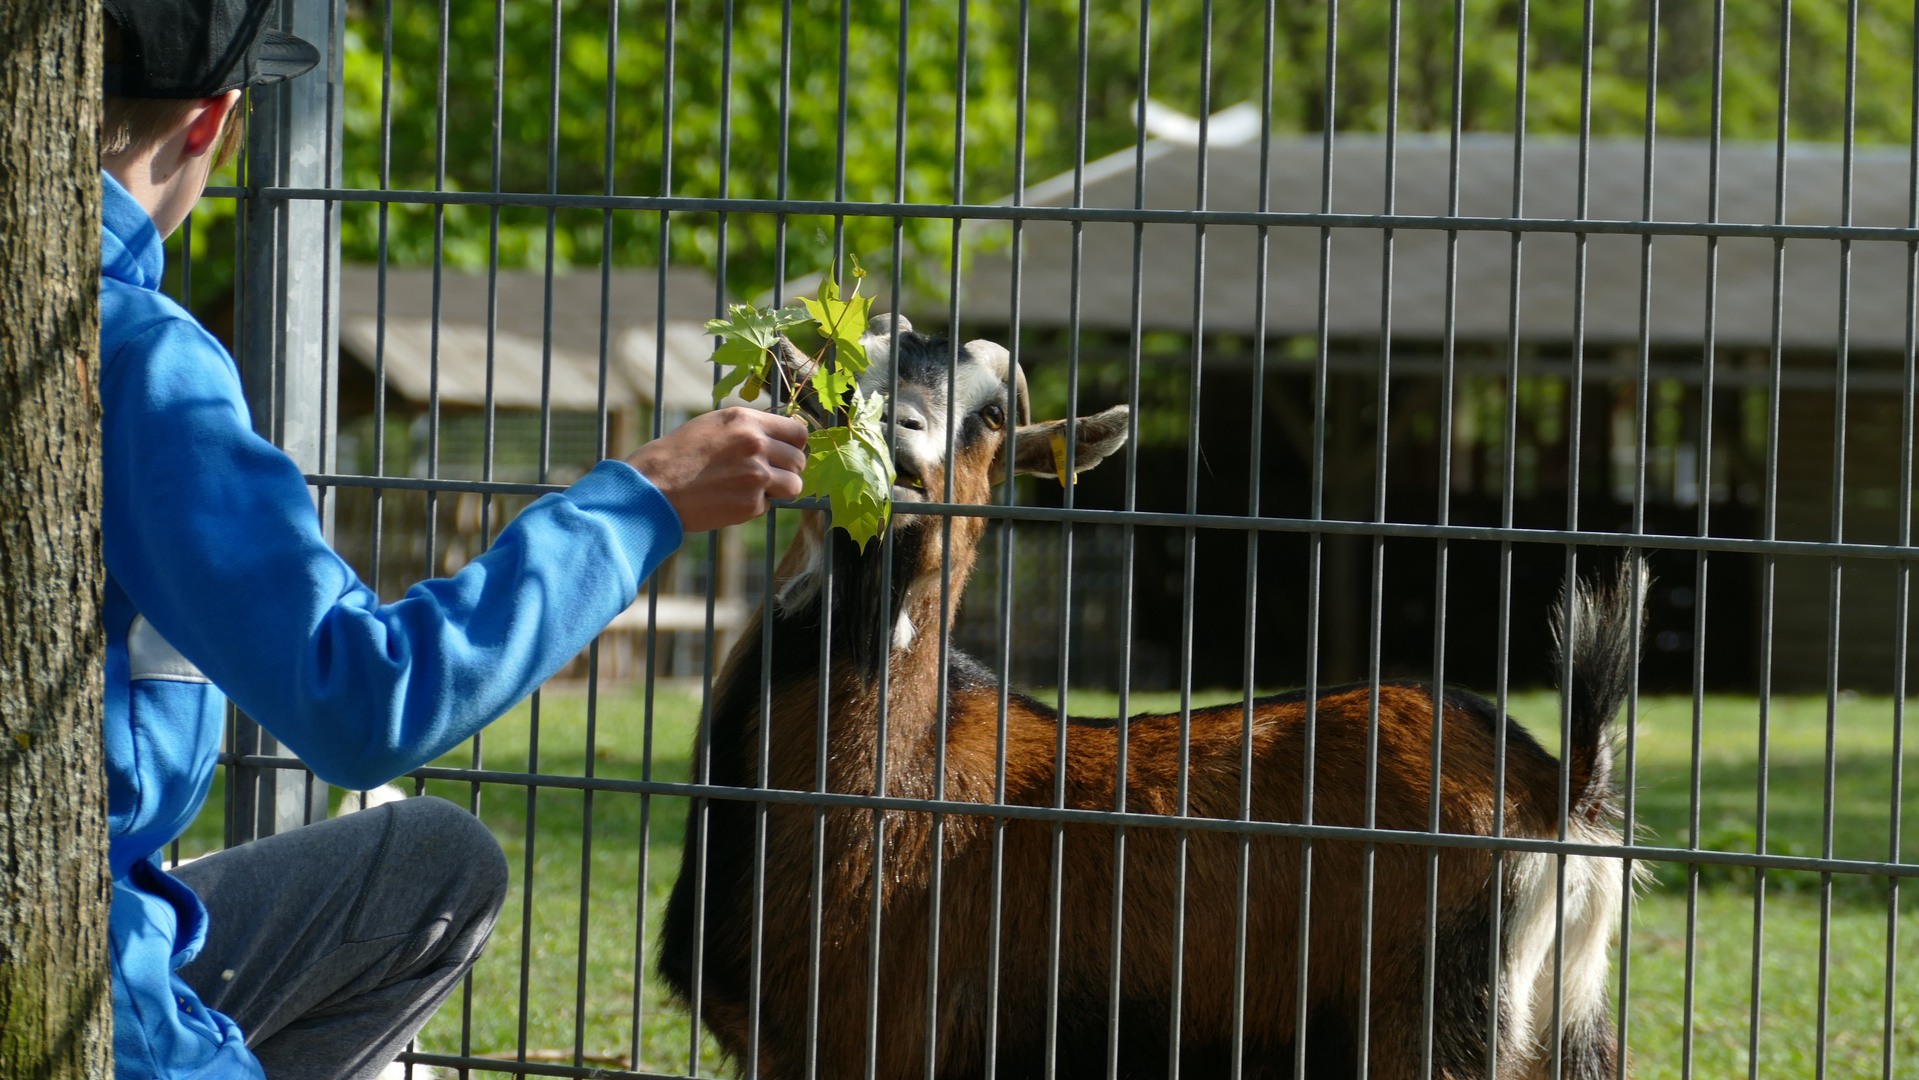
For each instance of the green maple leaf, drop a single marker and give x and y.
(843, 322)
(761, 326)
(751, 337)
(749, 364)
(831, 384)
(851, 468)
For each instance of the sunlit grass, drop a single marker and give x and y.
(620, 948)
(1789, 995)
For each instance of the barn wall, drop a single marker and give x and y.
(1803, 586)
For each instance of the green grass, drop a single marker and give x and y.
(1662, 748)
(1860, 828)
(1789, 1017)
(553, 932)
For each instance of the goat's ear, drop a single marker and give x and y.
(878, 341)
(880, 327)
(1095, 439)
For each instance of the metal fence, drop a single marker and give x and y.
(1334, 361)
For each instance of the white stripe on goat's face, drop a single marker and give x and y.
(928, 410)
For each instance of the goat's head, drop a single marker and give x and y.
(954, 438)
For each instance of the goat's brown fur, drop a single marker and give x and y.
(838, 843)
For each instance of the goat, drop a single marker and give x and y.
(871, 626)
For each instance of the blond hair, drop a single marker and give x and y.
(130, 125)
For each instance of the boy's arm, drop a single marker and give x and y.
(211, 532)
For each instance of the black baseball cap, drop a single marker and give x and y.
(200, 48)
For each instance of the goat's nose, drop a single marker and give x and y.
(909, 418)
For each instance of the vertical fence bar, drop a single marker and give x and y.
(285, 327)
(1243, 871)
(1429, 1003)
(1636, 557)
(1508, 454)
(936, 841)
(1116, 938)
(876, 910)
(716, 537)
(1009, 494)
(436, 324)
(332, 108)
(1836, 580)
(1509, 445)
(1382, 430)
(1056, 865)
(600, 450)
(489, 412)
(648, 710)
(537, 701)
(384, 242)
(1902, 596)
(1576, 386)
(1316, 545)
(1708, 361)
(1190, 563)
(1770, 531)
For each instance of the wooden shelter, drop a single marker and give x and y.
(1086, 277)
(543, 350)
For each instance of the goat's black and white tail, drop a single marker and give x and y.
(1605, 624)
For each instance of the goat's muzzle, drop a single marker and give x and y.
(907, 422)
(909, 483)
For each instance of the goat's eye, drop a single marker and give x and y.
(994, 416)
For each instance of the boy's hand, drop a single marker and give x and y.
(720, 468)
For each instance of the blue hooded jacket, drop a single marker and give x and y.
(220, 585)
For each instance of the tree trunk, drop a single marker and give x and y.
(56, 1007)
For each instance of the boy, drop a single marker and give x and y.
(316, 953)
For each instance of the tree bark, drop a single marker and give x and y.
(56, 1006)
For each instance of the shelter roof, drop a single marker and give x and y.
(1809, 302)
(633, 334)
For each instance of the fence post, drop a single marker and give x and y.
(289, 335)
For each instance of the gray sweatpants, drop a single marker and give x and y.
(331, 945)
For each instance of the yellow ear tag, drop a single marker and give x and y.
(1059, 458)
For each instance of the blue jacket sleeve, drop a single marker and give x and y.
(212, 533)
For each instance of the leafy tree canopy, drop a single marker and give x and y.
(713, 154)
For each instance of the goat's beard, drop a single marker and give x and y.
(865, 609)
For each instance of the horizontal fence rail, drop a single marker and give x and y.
(1072, 815)
(1090, 214)
(1240, 523)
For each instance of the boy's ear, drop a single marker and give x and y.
(1095, 439)
(205, 126)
